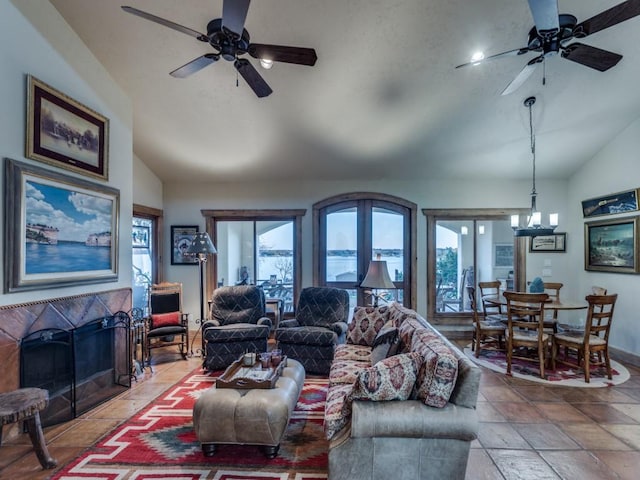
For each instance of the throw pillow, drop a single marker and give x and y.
(365, 325)
(390, 379)
(385, 344)
(165, 319)
(439, 370)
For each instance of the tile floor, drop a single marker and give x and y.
(527, 430)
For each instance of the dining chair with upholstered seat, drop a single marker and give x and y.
(487, 330)
(490, 290)
(592, 346)
(525, 326)
(553, 290)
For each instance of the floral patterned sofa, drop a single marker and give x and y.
(401, 400)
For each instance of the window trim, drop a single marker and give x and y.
(469, 214)
(157, 259)
(381, 200)
(212, 217)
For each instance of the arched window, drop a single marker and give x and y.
(352, 229)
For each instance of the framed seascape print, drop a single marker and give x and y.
(503, 255)
(65, 133)
(549, 243)
(620, 202)
(140, 236)
(59, 230)
(181, 238)
(612, 246)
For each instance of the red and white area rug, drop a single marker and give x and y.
(160, 443)
(563, 375)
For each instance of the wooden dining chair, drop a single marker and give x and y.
(525, 326)
(592, 346)
(487, 331)
(488, 290)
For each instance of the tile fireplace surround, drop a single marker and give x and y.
(17, 321)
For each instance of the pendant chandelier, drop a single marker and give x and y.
(533, 222)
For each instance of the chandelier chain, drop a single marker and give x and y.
(533, 146)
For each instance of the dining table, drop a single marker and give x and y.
(551, 304)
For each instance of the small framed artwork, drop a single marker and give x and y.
(65, 133)
(620, 202)
(503, 255)
(59, 230)
(549, 243)
(140, 236)
(612, 246)
(181, 238)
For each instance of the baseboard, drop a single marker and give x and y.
(625, 357)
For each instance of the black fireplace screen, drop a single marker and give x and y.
(80, 368)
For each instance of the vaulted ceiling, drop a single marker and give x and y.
(384, 99)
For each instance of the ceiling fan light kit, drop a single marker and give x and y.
(230, 41)
(552, 34)
(533, 226)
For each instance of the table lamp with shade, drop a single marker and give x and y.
(377, 277)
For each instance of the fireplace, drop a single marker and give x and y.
(80, 367)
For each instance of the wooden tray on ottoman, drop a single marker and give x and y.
(238, 375)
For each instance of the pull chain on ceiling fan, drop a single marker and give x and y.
(552, 33)
(230, 41)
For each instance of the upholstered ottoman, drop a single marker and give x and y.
(248, 416)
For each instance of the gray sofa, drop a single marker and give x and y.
(400, 439)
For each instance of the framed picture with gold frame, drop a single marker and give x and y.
(59, 230)
(612, 246)
(65, 133)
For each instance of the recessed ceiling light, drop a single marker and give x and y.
(476, 57)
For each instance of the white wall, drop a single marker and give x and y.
(147, 187)
(24, 50)
(614, 169)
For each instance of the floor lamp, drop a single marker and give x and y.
(377, 277)
(201, 246)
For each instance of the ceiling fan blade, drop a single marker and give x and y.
(522, 77)
(194, 65)
(253, 78)
(608, 18)
(510, 53)
(545, 16)
(167, 23)
(601, 60)
(234, 14)
(280, 53)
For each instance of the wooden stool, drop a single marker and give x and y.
(25, 404)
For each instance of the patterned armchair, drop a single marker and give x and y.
(238, 324)
(320, 324)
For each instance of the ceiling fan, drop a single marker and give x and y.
(552, 33)
(230, 40)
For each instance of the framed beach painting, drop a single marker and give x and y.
(181, 238)
(65, 133)
(59, 230)
(612, 246)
